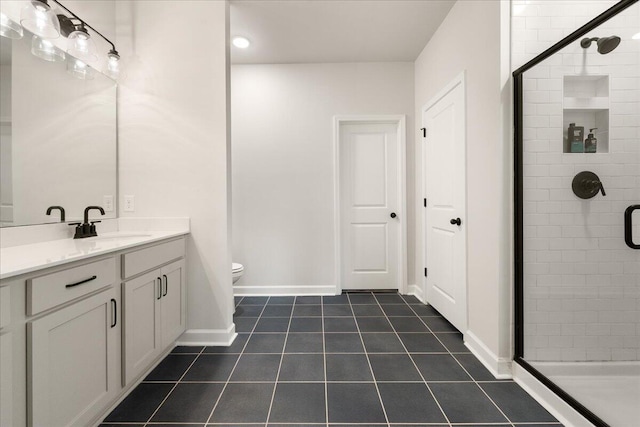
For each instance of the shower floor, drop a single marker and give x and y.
(610, 390)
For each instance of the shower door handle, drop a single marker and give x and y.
(628, 226)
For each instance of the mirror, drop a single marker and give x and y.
(58, 138)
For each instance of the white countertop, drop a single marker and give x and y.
(21, 259)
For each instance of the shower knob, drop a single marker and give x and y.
(586, 185)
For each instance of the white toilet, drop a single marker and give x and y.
(237, 270)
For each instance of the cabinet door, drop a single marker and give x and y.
(72, 357)
(6, 379)
(142, 339)
(173, 302)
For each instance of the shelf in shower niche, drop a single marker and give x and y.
(598, 103)
(585, 102)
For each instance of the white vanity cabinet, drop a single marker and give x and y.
(70, 334)
(6, 359)
(73, 359)
(154, 305)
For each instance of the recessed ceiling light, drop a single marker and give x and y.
(241, 42)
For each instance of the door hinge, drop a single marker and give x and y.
(425, 272)
(424, 132)
(425, 202)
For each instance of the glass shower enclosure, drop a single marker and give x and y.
(577, 221)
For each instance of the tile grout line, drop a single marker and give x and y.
(174, 386)
(458, 362)
(215, 406)
(275, 384)
(324, 363)
(413, 361)
(364, 348)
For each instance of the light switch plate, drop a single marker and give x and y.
(107, 203)
(129, 203)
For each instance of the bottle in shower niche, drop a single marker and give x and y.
(575, 136)
(591, 143)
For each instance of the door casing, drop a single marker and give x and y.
(400, 121)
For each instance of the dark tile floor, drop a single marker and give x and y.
(360, 358)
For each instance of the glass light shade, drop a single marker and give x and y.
(44, 49)
(9, 29)
(79, 69)
(39, 18)
(113, 68)
(82, 46)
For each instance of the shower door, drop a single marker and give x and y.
(578, 217)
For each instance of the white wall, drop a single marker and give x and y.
(469, 40)
(173, 140)
(581, 280)
(283, 189)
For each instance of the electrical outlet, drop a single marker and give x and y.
(107, 203)
(129, 203)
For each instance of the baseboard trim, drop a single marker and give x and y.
(256, 291)
(548, 399)
(417, 292)
(208, 337)
(499, 367)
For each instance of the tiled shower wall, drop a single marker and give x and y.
(582, 298)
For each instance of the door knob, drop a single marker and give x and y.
(393, 215)
(456, 221)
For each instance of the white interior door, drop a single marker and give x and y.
(370, 205)
(445, 183)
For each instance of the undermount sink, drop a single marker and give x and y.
(118, 236)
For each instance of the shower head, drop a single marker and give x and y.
(605, 44)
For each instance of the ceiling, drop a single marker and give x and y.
(305, 31)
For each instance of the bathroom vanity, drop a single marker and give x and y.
(82, 322)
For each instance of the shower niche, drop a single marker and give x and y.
(585, 102)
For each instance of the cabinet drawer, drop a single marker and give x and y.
(149, 258)
(48, 291)
(5, 306)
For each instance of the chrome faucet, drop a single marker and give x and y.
(87, 229)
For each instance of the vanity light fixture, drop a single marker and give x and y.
(8, 28)
(241, 42)
(81, 44)
(38, 18)
(45, 49)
